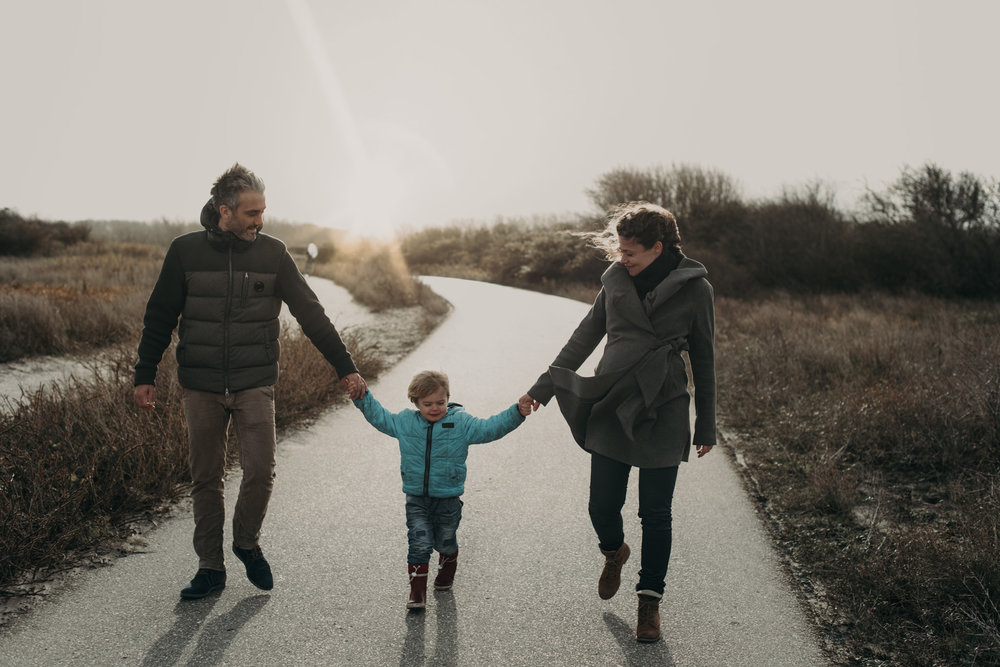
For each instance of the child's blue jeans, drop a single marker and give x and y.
(431, 524)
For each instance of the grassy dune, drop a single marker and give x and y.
(870, 431)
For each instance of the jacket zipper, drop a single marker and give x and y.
(427, 461)
(225, 321)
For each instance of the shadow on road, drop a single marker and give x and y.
(414, 650)
(636, 654)
(213, 639)
(446, 647)
(190, 614)
(413, 645)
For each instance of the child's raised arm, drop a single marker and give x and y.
(479, 430)
(376, 415)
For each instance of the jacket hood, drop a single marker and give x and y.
(687, 270)
(210, 216)
(210, 221)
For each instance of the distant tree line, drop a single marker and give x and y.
(25, 237)
(930, 231)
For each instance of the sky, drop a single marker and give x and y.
(383, 114)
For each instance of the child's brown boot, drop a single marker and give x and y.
(648, 627)
(446, 571)
(611, 576)
(418, 585)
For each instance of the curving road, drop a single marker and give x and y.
(525, 592)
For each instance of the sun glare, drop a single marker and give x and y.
(398, 178)
(403, 181)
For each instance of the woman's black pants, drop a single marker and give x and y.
(608, 484)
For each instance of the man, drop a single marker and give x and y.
(226, 283)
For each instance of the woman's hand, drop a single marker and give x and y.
(702, 450)
(526, 403)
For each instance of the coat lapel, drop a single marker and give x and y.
(618, 286)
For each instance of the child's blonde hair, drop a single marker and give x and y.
(426, 383)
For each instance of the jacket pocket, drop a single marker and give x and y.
(244, 289)
(456, 473)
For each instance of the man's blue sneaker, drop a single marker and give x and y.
(258, 571)
(205, 581)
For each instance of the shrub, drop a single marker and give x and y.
(24, 237)
(376, 275)
(78, 460)
(935, 232)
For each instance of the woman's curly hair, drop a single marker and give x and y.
(640, 221)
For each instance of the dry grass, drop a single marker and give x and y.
(870, 429)
(377, 276)
(89, 296)
(78, 461)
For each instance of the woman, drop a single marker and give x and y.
(634, 412)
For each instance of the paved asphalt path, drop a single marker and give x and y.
(526, 588)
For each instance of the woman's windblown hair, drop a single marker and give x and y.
(638, 220)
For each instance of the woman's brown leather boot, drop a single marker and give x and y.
(648, 627)
(611, 576)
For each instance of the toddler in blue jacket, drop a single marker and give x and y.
(434, 442)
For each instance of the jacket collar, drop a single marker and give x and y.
(219, 239)
(618, 282)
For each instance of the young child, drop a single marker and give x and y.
(434, 442)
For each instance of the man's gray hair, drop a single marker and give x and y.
(227, 188)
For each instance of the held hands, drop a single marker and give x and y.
(354, 385)
(526, 405)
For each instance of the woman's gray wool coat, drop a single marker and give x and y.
(635, 408)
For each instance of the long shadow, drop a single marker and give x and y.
(636, 653)
(446, 646)
(219, 633)
(414, 650)
(413, 645)
(190, 614)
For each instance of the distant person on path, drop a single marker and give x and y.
(434, 443)
(226, 283)
(634, 412)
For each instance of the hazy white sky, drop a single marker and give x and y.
(369, 114)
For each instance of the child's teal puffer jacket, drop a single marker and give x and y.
(432, 455)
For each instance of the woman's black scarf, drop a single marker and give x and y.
(657, 270)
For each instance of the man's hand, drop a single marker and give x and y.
(354, 385)
(702, 450)
(145, 396)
